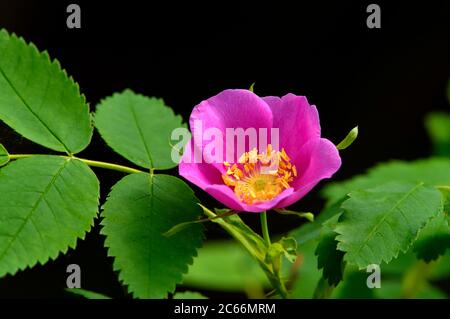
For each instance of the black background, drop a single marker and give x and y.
(384, 80)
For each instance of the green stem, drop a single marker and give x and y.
(256, 251)
(234, 233)
(265, 229)
(111, 166)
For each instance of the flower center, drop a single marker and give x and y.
(259, 177)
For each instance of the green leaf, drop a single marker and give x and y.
(438, 127)
(434, 238)
(329, 258)
(434, 171)
(225, 266)
(379, 223)
(39, 100)
(189, 295)
(86, 293)
(349, 139)
(47, 203)
(137, 213)
(139, 128)
(4, 156)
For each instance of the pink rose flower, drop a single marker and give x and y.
(249, 182)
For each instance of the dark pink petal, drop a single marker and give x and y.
(316, 160)
(297, 121)
(230, 109)
(226, 196)
(200, 174)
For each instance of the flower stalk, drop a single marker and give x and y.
(255, 245)
(265, 229)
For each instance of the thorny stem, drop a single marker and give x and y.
(111, 166)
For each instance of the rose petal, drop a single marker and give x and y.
(230, 109)
(317, 159)
(297, 120)
(200, 174)
(226, 196)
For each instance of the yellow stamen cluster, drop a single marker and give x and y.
(258, 177)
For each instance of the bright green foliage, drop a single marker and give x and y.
(139, 128)
(4, 156)
(86, 293)
(189, 295)
(434, 238)
(438, 126)
(138, 211)
(47, 203)
(39, 100)
(379, 223)
(433, 171)
(219, 266)
(329, 258)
